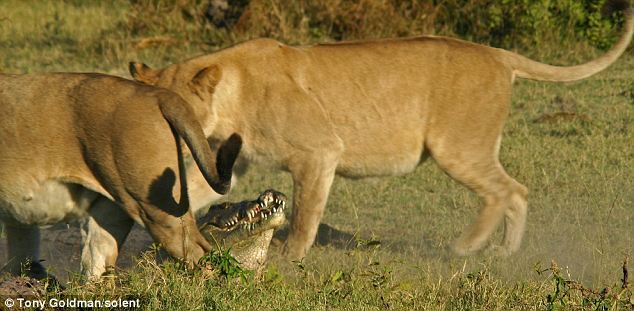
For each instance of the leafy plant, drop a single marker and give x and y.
(225, 263)
(567, 293)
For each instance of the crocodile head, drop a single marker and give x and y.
(245, 228)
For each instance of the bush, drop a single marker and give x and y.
(503, 23)
(528, 23)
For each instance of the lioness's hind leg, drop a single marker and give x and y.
(515, 219)
(503, 197)
(103, 234)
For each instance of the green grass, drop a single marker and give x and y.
(579, 173)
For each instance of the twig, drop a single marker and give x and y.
(625, 273)
(146, 42)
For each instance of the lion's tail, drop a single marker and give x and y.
(218, 171)
(529, 69)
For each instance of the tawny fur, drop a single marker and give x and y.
(107, 149)
(371, 108)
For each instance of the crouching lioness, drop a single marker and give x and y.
(372, 108)
(81, 144)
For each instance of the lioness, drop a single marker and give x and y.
(80, 144)
(372, 108)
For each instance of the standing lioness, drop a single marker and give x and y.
(368, 109)
(71, 144)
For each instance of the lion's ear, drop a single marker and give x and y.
(205, 80)
(142, 73)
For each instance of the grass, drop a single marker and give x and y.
(579, 172)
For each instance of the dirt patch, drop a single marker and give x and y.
(60, 249)
(21, 287)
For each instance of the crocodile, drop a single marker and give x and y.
(245, 228)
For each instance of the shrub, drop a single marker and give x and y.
(502, 23)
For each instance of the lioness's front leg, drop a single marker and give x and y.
(312, 177)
